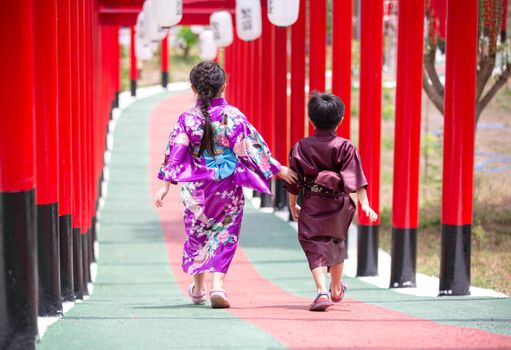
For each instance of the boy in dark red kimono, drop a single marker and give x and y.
(330, 169)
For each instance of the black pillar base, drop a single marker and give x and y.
(92, 256)
(133, 87)
(116, 100)
(66, 258)
(18, 270)
(164, 79)
(404, 257)
(77, 263)
(85, 261)
(367, 251)
(266, 201)
(48, 256)
(280, 195)
(455, 260)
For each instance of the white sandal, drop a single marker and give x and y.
(218, 299)
(197, 297)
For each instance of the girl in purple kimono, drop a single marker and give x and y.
(329, 169)
(214, 151)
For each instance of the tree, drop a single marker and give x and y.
(187, 39)
(493, 52)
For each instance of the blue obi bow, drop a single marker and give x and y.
(223, 163)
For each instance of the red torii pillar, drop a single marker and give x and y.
(18, 266)
(165, 61)
(133, 64)
(65, 149)
(317, 48)
(78, 114)
(371, 42)
(298, 56)
(459, 132)
(84, 139)
(268, 89)
(281, 117)
(405, 204)
(45, 81)
(342, 13)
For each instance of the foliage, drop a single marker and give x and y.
(493, 55)
(186, 39)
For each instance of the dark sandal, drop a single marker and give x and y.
(338, 299)
(321, 303)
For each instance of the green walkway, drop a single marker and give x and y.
(137, 303)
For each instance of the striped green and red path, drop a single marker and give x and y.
(139, 299)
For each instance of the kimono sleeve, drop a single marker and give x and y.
(352, 174)
(294, 164)
(251, 149)
(176, 153)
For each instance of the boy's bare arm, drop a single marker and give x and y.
(364, 204)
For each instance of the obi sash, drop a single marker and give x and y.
(223, 163)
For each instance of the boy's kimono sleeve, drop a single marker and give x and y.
(256, 165)
(177, 159)
(352, 174)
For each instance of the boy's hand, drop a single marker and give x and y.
(159, 196)
(370, 213)
(288, 175)
(295, 211)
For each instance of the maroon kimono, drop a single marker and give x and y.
(330, 169)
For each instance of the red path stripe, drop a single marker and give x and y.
(285, 316)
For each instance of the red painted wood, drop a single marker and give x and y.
(133, 58)
(46, 112)
(165, 54)
(17, 138)
(405, 196)
(459, 119)
(64, 106)
(76, 105)
(268, 78)
(370, 100)
(84, 115)
(298, 55)
(258, 84)
(317, 47)
(342, 12)
(281, 115)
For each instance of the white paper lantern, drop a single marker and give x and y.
(167, 13)
(143, 52)
(196, 29)
(248, 19)
(208, 48)
(284, 13)
(149, 26)
(221, 24)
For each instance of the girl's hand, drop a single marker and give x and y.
(295, 211)
(370, 213)
(159, 196)
(288, 175)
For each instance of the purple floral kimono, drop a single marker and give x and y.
(211, 188)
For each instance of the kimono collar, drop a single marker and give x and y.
(219, 101)
(325, 133)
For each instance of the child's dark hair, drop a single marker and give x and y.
(325, 110)
(207, 79)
